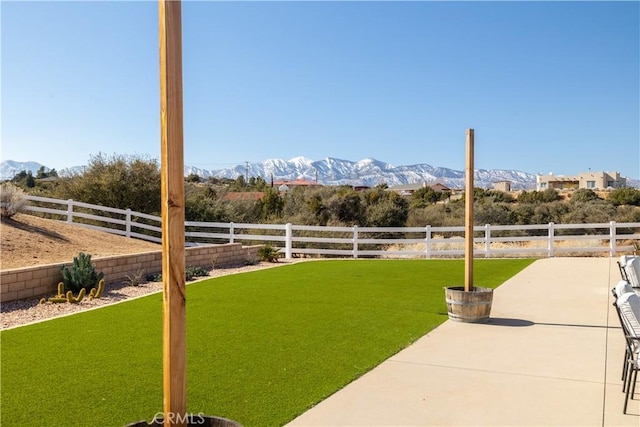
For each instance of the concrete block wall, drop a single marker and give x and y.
(30, 282)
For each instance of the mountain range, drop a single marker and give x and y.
(332, 171)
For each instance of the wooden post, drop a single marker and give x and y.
(173, 242)
(468, 215)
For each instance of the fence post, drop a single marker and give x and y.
(128, 224)
(230, 232)
(612, 237)
(487, 240)
(355, 241)
(550, 244)
(70, 211)
(288, 241)
(427, 241)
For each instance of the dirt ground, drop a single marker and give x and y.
(27, 240)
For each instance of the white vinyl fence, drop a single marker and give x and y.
(543, 240)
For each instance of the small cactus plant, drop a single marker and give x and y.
(77, 299)
(61, 296)
(97, 292)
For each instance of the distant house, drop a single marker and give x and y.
(440, 187)
(502, 186)
(408, 189)
(589, 180)
(295, 183)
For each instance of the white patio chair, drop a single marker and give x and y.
(621, 263)
(628, 308)
(621, 288)
(632, 270)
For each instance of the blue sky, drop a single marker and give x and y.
(547, 86)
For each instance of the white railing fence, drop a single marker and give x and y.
(542, 240)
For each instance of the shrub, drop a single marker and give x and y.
(190, 272)
(12, 200)
(81, 275)
(625, 196)
(155, 277)
(195, 271)
(268, 253)
(135, 278)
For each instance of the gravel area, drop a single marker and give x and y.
(18, 313)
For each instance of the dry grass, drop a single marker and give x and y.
(458, 243)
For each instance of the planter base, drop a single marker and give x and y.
(469, 307)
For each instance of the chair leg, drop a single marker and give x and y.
(626, 387)
(625, 368)
(632, 377)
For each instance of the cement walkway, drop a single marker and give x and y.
(551, 355)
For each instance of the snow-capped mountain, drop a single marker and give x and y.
(9, 168)
(370, 172)
(332, 171)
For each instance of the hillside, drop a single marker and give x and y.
(27, 240)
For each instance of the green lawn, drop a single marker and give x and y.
(262, 346)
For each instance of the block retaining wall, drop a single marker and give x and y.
(30, 282)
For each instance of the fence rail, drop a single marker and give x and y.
(541, 240)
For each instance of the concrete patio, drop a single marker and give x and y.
(551, 355)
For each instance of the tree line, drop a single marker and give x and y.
(133, 182)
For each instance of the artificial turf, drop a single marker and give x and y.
(262, 347)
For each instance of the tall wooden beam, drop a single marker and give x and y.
(468, 215)
(173, 242)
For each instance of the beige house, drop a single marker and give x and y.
(589, 180)
(504, 186)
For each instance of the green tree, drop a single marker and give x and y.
(271, 205)
(490, 212)
(627, 213)
(24, 179)
(315, 211)
(625, 196)
(523, 213)
(203, 205)
(583, 195)
(347, 208)
(550, 195)
(392, 211)
(123, 182)
(192, 177)
(41, 173)
(499, 196)
(426, 196)
(240, 184)
(588, 213)
(546, 196)
(257, 184)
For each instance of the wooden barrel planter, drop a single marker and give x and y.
(469, 307)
